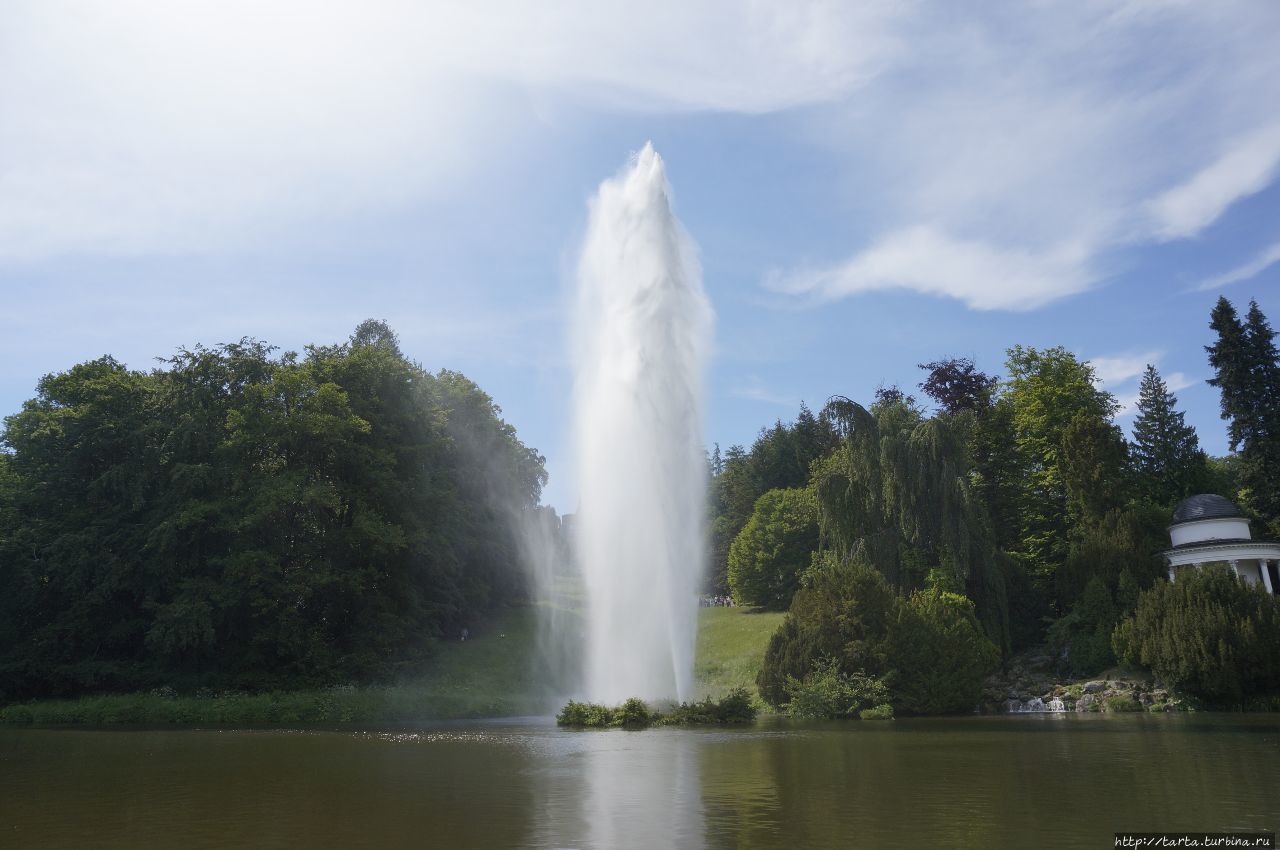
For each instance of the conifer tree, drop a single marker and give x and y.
(1166, 453)
(1248, 375)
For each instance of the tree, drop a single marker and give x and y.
(1047, 390)
(1166, 454)
(956, 385)
(1247, 372)
(1094, 461)
(1207, 634)
(847, 628)
(242, 518)
(773, 548)
(938, 655)
(897, 495)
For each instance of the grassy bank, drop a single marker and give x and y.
(493, 674)
(731, 645)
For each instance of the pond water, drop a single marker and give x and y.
(1045, 781)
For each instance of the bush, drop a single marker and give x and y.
(734, 707)
(929, 649)
(880, 712)
(1208, 634)
(842, 612)
(828, 692)
(1121, 704)
(939, 654)
(633, 714)
(1085, 632)
(773, 548)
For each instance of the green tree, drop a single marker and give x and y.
(1166, 452)
(1247, 372)
(1047, 390)
(847, 630)
(240, 518)
(898, 495)
(939, 654)
(1207, 634)
(773, 548)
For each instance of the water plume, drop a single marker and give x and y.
(641, 331)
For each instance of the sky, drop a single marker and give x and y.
(871, 185)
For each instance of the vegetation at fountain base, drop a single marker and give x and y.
(736, 707)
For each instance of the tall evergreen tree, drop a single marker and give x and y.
(1165, 453)
(1247, 368)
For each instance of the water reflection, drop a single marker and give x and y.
(964, 782)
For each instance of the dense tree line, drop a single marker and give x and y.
(1020, 494)
(244, 518)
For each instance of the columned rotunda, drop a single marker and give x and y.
(1209, 529)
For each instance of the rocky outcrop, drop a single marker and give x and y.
(1030, 685)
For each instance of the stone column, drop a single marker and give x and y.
(1171, 572)
(1266, 575)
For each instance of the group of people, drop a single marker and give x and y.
(716, 602)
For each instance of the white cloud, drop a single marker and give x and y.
(1269, 257)
(139, 126)
(1247, 167)
(1118, 374)
(1118, 368)
(925, 260)
(755, 391)
(1178, 381)
(1026, 127)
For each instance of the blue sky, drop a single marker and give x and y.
(871, 185)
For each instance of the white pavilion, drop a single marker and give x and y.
(1210, 529)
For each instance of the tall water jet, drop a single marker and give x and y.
(642, 329)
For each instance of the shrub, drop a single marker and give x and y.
(1208, 634)
(939, 654)
(773, 548)
(843, 612)
(879, 712)
(734, 707)
(929, 649)
(1121, 704)
(1085, 632)
(828, 692)
(633, 714)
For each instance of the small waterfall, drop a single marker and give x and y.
(1035, 705)
(642, 332)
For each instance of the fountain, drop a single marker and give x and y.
(642, 327)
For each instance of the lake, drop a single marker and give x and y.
(1043, 781)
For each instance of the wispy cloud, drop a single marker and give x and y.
(1269, 257)
(1118, 374)
(1011, 133)
(142, 127)
(755, 391)
(1247, 167)
(925, 260)
(1118, 368)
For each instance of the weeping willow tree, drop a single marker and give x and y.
(896, 494)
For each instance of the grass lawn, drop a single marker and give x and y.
(492, 674)
(731, 645)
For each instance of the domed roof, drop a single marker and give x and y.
(1205, 506)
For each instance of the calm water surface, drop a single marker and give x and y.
(1043, 781)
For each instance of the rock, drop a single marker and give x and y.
(1085, 701)
(1094, 687)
